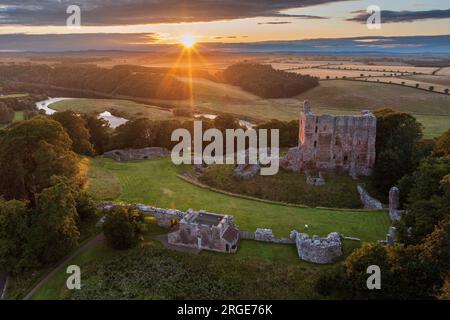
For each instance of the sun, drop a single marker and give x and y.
(188, 41)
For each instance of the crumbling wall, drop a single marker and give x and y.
(368, 201)
(394, 203)
(316, 249)
(339, 144)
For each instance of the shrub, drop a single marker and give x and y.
(123, 227)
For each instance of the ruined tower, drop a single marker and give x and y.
(339, 144)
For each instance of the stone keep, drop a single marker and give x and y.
(339, 144)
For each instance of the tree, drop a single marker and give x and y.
(420, 220)
(442, 147)
(6, 114)
(397, 136)
(55, 232)
(136, 134)
(226, 121)
(98, 132)
(31, 153)
(77, 130)
(427, 199)
(436, 247)
(123, 227)
(86, 207)
(14, 231)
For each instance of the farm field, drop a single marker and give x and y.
(323, 73)
(156, 183)
(411, 82)
(336, 97)
(386, 68)
(433, 79)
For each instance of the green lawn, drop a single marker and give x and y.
(156, 183)
(258, 270)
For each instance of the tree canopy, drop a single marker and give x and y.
(31, 153)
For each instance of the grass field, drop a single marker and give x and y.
(288, 187)
(123, 108)
(16, 95)
(336, 97)
(156, 183)
(333, 97)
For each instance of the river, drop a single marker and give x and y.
(113, 121)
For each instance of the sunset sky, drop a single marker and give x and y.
(229, 21)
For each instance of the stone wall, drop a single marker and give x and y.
(394, 203)
(368, 201)
(316, 249)
(339, 144)
(165, 218)
(137, 154)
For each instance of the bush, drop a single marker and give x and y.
(123, 227)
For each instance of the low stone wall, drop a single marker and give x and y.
(164, 217)
(318, 250)
(137, 154)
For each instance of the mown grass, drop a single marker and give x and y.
(257, 271)
(156, 183)
(338, 192)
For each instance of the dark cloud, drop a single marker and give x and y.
(227, 37)
(76, 42)
(275, 22)
(118, 12)
(402, 16)
(300, 16)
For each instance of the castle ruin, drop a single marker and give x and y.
(338, 144)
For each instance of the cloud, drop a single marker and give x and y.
(402, 16)
(76, 42)
(131, 12)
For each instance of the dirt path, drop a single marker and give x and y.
(98, 238)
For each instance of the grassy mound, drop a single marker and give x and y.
(338, 192)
